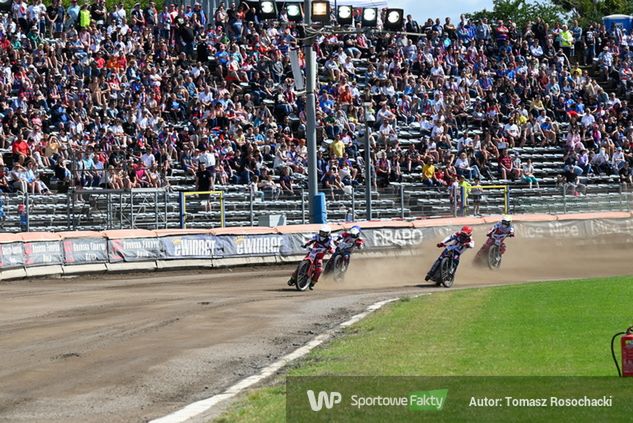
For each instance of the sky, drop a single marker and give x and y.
(423, 9)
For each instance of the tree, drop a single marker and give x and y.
(522, 11)
(589, 11)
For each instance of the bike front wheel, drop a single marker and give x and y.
(303, 275)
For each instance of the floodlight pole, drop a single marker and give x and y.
(368, 173)
(313, 183)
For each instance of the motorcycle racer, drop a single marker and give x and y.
(458, 243)
(320, 245)
(345, 243)
(496, 235)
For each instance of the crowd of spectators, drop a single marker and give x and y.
(119, 98)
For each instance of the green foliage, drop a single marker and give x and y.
(111, 4)
(522, 12)
(589, 11)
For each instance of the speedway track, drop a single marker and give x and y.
(129, 348)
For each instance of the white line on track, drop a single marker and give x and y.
(196, 408)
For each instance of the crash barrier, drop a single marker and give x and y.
(39, 254)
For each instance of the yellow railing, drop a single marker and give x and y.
(503, 187)
(183, 205)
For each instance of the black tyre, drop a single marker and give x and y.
(339, 267)
(329, 265)
(303, 278)
(447, 271)
(494, 257)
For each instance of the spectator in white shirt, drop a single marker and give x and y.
(618, 159)
(147, 158)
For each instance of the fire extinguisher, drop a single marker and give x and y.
(626, 346)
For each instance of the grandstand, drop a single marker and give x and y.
(72, 144)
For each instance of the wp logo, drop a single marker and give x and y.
(329, 399)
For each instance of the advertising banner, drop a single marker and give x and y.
(388, 238)
(85, 250)
(134, 249)
(223, 246)
(11, 255)
(294, 244)
(599, 227)
(42, 253)
(253, 245)
(190, 246)
(557, 230)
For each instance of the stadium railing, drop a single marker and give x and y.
(94, 209)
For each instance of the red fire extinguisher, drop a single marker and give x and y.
(626, 346)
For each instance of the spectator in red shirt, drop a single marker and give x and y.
(505, 165)
(21, 150)
(501, 32)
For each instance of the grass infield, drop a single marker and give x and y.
(538, 329)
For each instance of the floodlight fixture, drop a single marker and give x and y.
(267, 9)
(321, 11)
(394, 20)
(345, 15)
(295, 14)
(370, 17)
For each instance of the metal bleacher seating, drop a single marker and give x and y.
(408, 198)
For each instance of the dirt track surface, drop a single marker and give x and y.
(128, 348)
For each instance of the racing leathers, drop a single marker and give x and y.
(346, 242)
(319, 247)
(457, 243)
(497, 235)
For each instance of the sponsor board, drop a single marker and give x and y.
(100, 250)
(11, 255)
(134, 249)
(85, 250)
(210, 246)
(42, 253)
(257, 245)
(189, 246)
(395, 237)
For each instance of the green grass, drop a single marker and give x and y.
(543, 329)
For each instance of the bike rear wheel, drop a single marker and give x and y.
(447, 271)
(494, 257)
(303, 276)
(340, 267)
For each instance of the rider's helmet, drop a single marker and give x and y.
(506, 221)
(325, 231)
(465, 233)
(355, 231)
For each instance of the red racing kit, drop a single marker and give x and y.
(319, 247)
(496, 235)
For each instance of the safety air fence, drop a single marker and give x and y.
(40, 253)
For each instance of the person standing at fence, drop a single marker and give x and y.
(203, 183)
(476, 194)
(24, 218)
(208, 159)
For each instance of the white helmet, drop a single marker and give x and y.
(355, 231)
(506, 220)
(325, 231)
